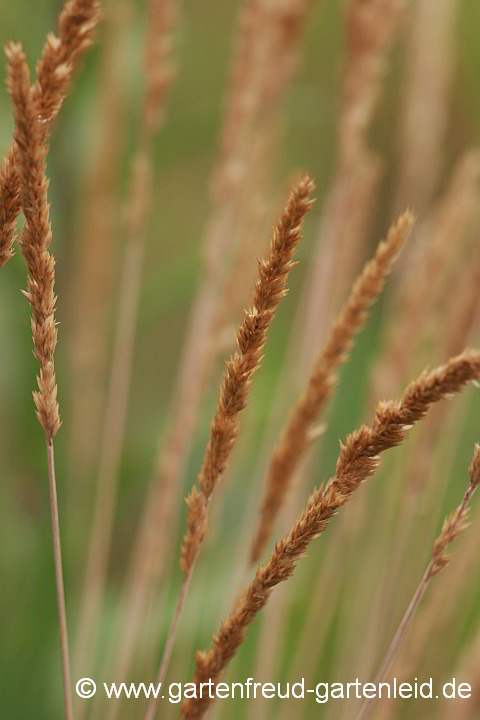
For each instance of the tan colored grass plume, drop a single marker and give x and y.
(297, 433)
(251, 337)
(76, 26)
(359, 458)
(35, 240)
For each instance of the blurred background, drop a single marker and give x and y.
(383, 113)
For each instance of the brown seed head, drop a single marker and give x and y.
(456, 522)
(474, 469)
(251, 337)
(76, 27)
(295, 438)
(77, 23)
(36, 236)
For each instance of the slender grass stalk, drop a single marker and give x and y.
(168, 650)
(251, 338)
(452, 527)
(35, 240)
(440, 610)
(161, 18)
(67, 683)
(95, 258)
(113, 432)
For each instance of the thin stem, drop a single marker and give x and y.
(392, 651)
(112, 444)
(67, 686)
(452, 526)
(168, 650)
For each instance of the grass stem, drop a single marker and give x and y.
(52, 486)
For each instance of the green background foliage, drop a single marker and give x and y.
(30, 684)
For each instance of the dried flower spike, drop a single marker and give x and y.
(295, 437)
(358, 460)
(457, 521)
(251, 337)
(36, 236)
(77, 23)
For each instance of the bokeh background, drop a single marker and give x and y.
(347, 622)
